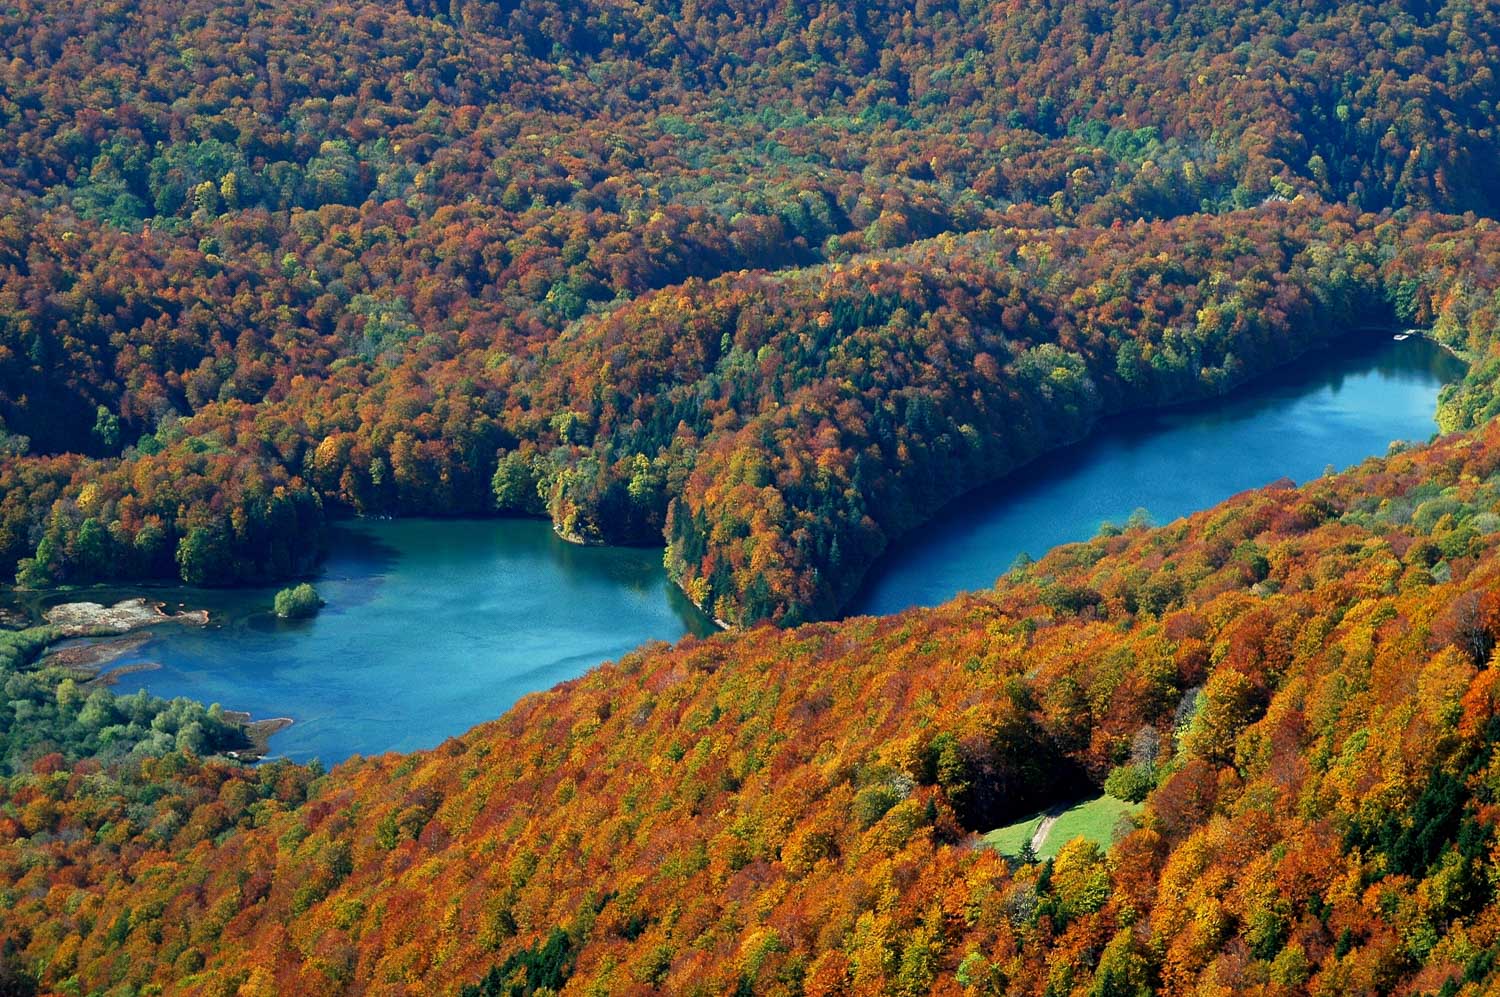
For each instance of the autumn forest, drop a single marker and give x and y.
(766, 286)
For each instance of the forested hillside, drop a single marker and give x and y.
(765, 284)
(263, 265)
(793, 811)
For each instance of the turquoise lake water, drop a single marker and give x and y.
(433, 626)
(1334, 407)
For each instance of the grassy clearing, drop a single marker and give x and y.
(1009, 839)
(1094, 819)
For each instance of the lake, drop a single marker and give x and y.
(433, 626)
(1334, 407)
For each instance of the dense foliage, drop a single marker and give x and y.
(297, 602)
(263, 264)
(51, 716)
(1309, 672)
(767, 282)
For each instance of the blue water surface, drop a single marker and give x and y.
(1333, 408)
(433, 626)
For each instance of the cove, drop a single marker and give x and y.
(431, 627)
(1333, 407)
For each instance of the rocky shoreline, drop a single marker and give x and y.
(92, 619)
(121, 629)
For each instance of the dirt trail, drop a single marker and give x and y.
(1048, 819)
(1040, 834)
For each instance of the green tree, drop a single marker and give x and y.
(201, 557)
(106, 429)
(515, 485)
(91, 553)
(1123, 970)
(1130, 782)
(298, 602)
(1080, 878)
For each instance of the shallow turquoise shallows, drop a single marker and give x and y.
(431, 627)
(434, 626)
(1334, 407)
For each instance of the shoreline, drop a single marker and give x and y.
(128, 617)
(1361, 332)
(91, 636)
(90, 659)
(111, 676)
(1462, 356)
(846, 600)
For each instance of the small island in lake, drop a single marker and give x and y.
(299, 602)
(84, 619)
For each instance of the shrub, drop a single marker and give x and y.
(1130, 783)
(298, 602)
(20, 647)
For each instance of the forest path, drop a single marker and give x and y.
(1045, 827)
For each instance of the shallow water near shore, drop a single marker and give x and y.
(431, 627)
